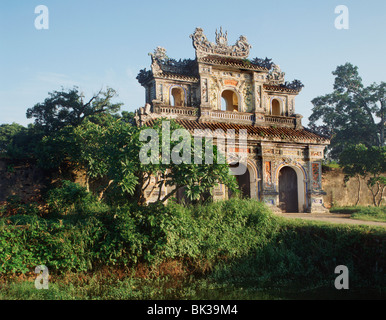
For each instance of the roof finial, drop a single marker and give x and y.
(221, 38)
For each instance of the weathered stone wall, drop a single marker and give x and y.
(22, 179)
(339, 193)
(25, 180)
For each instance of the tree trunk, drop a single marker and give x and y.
(171, 193)
(160, 190)
(87, 183)
(381, 196)
(139, 192)
(374, 194)
(359, 190)
(104, 190)
(382, 123)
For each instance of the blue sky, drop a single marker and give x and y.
(94, 44)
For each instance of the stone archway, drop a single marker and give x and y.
(248, 181)
(288, 190)
(244, 182)
(296, 181)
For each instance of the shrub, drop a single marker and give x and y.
(26, 242)
(308, 253)
(235, 240)
(72, 198)
(15, 206)
(217, 231)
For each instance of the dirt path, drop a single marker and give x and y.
(333, 218)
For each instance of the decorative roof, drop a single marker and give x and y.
(204, 47)
(221, 54)
(144, 76)
(185, 67)
(289, 87)
(165, 67)
(259, 133)
(256, 64)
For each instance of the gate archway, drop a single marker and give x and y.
(288, 190)
(302, 178)
(244, 182)
(248, 182)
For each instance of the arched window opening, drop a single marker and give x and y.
(276, 108)
(229, 101)
(177, 97)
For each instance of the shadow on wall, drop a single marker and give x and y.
(340, 193)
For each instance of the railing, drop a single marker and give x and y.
(226, 116)
(231, 116)
(185, 111)
(281, 121)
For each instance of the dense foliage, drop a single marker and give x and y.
(81, 231)
(19, 142)
(71, 135)
(236, 239)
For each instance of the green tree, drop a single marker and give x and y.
(111, 152)
(19, 142)
(378, 94)
(97, 149)
(128, 117)
(7, 134)
(60, 110)
(197, 177)
(63, 108)
(368, 163)
(349, 114)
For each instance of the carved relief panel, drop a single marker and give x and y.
(248, 98)
(204, 91)
(268, 179)
(316, 176)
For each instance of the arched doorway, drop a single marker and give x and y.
(276, 108)
(288, 190)
(244, 182)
